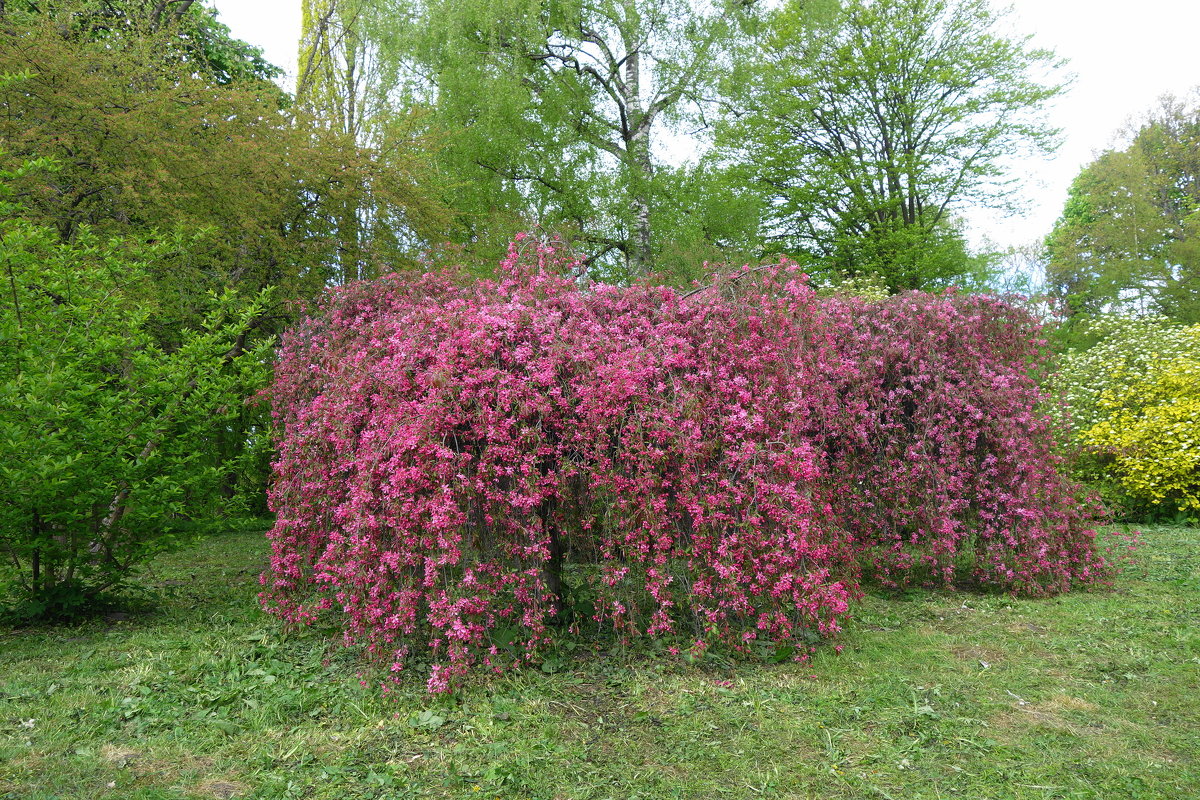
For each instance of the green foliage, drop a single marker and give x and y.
(1132, 402)
(854, 130)
(383, 207)
(196, 42)
(105, 450)
(705, 217)
(548, 113)
(912, 257)
(142, 148)
(1128, 239)
(867, 123)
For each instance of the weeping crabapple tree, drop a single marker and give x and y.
(467, 469)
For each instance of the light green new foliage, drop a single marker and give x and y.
(106, 450)
(1129, 235)
(867, 124)
(557, 113)
(1132, 403)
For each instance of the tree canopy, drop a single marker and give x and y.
(549, 113)
(141, 147)
(867, 124)
(1129, 235)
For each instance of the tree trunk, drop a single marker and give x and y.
(553, 568)
(639, 258)
(350, 254)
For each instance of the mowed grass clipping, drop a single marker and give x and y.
(1094, 694)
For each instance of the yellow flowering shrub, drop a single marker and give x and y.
(1142, 419)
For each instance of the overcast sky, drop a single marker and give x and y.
(1124, 55)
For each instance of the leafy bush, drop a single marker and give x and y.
(466, 465)
(1133, 402)
(104, 434)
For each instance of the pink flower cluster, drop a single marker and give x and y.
(462, 463)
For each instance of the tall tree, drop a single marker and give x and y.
(1129, 236)
(344, 91)
(867, 124)
(552, 112)
(339, 69)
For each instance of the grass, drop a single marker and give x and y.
(935, 695)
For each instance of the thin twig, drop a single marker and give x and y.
(739, 276)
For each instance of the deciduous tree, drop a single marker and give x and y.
(1129, 236)
(867, 124)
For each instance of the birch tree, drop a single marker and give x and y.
(558, 113)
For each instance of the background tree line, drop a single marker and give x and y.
(659, 134)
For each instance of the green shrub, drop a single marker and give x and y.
(105, 432)
(1132, 403)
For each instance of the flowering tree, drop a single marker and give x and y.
(465, 466)
(953, 470)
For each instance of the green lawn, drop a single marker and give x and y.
(935, 695)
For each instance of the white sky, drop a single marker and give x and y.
(1124, 55)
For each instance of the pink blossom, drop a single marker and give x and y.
(733, 461)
